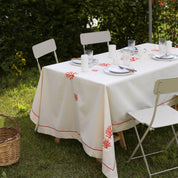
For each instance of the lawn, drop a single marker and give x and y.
(40, 156)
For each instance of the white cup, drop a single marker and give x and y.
(112, 50)
(126, 57)
(84, 63)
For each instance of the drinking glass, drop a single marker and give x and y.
(131, 45)
(162, 46)
(89, 52)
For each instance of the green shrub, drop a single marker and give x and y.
(28, 22)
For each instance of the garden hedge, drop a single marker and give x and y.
(27, 22)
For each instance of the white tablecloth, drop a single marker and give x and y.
(90, 106)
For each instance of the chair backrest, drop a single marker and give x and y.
(94, 38)
(164, 86)
(44, 48)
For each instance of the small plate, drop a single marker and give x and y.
(168, 57)
(77, 62)
(120, 72)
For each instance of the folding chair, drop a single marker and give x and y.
(94, 38)
(44, 48)
(157, 117)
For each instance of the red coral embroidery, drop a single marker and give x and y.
(157, 50)
(106, 143)
(109, 132)
(95, 70)
(70, 75)
(104, 64)
(134, 59)
(76, 97)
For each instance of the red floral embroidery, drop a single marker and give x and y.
(134, 59)
(95, 70)
(109, 132)
(70, 75)
(104, 64)
(76, 97)
(106, 143)
(157, 50)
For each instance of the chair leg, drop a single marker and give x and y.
(140, 145)
(122, 140)
(174, 138)
(175, 134)
(141, 140)
(57, 140)
(143, 153)
(120, 137)
(176, 107)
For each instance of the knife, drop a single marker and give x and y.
(129, 69)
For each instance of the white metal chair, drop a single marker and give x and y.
(44, 48)
(94, 38)
(157, 117)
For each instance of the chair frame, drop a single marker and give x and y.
(162, 86)
(44, 48)
(94, 38)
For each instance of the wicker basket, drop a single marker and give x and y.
(9, 143)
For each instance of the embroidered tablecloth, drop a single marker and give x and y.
(90, 106)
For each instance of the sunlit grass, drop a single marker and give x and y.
(41, 157)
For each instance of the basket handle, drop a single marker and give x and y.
(17, 127)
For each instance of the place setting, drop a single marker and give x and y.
(121, 68)
(164, 53)
(91, 60)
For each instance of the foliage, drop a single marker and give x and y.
(15, 64)
(124, 19)
(165, 20)
(28, 22)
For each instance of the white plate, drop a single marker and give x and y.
(122, 73)
(78, 62)
(117, 69)
(169, 57)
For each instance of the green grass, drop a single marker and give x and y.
(41, 157)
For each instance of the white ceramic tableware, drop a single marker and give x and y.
(126, 57)
(168, 46)
(112, 50)
(84, 63)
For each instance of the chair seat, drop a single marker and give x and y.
(165, 116)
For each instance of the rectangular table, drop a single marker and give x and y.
(90, 106)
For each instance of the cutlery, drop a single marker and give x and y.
(129, 69)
